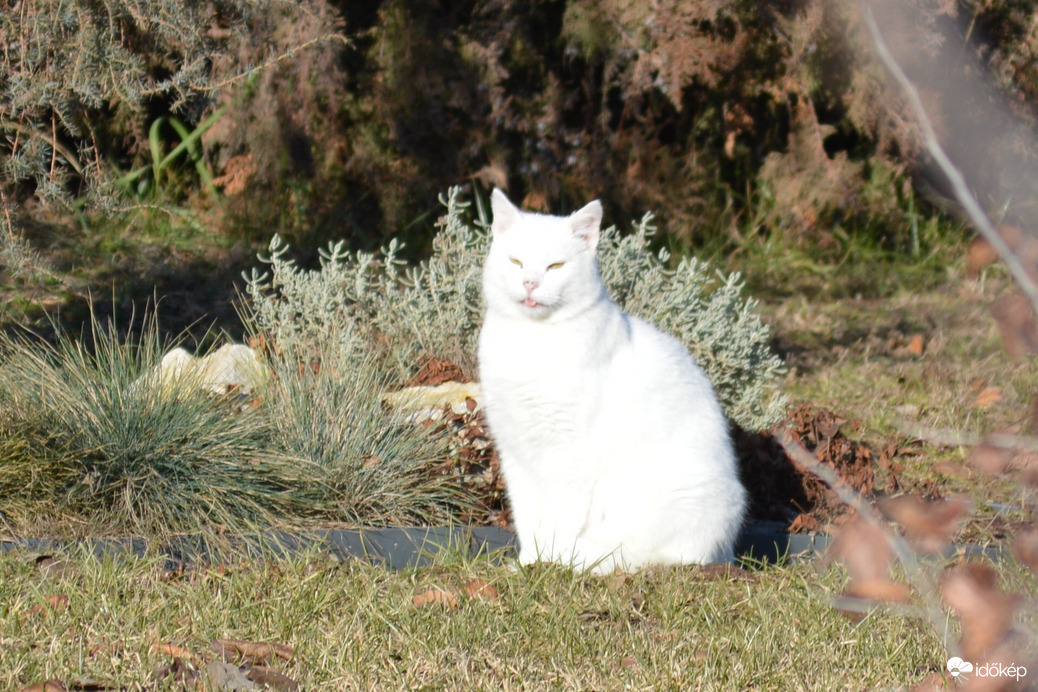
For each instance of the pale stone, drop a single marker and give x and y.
(427, 403)
(231, 368)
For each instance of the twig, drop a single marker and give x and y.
(55, 145)
(962, 192)
(276, 60)
(915, 572)
(957, 438)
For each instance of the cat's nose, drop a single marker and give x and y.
(530, 285)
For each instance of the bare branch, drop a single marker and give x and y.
(961, 189)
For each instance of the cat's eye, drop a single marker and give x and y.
(516, 262)
(556, 265)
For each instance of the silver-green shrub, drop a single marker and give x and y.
(435, 307)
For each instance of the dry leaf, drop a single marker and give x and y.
(620, 579)
(51, 567)
(971, 590)
(179, 671)
(979, 255)
(1025, 547)
(256, 653)
(1016, 322)
(863, 548)
(934, 682)
(879, 590)
(916, 344)
(57, 601)
(987, 397)
(435, 596)
(930, 525)
(988, 459)
(48, 686)
(172, 650)
(269, 677)
(478, 588)
(803, 523)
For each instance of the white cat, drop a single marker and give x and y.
(613, 446)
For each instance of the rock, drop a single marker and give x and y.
(225, 676)
(231, 368)
(427, 403)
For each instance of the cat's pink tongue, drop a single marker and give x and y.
(530, 303)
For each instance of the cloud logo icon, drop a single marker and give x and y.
(956, 666)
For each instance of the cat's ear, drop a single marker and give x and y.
(505, 213)
(586, 223)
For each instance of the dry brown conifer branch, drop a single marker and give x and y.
(963, 194)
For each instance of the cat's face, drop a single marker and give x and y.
(539, 266)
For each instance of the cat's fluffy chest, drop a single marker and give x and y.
(548, 378)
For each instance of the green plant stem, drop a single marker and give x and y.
(187, 143)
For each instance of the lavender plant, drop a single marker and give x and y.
(435, 307)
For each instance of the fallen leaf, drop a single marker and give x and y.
(971, 591)
(51, 567)
(930, 525)
(916, 344)
(620, 579)
(989, 459)
(803, 523)
(1025, 547)
(47, 686)
(987, 397)
(979, 255)
(178, 672)
(435, 596)
(172, 650)
(224, 676)
(879, 590)
(57, 601)
(478, 588)
(256, 653)
(863, 548)
(1016, 322)
(269, 677)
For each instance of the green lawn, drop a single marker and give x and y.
(358, 626)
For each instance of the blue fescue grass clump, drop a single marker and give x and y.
(90, 446)
(83, 445)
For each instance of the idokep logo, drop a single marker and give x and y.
(956, 666)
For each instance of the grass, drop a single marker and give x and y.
(355, 626)
(845, 329)
(852, 355)
(88, 447)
